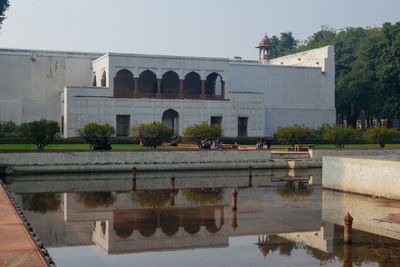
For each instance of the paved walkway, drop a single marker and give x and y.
(17, 247)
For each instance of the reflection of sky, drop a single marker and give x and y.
(241, 252)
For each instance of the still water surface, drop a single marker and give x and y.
(282, 218)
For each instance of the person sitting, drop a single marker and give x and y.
(217, 143)
(205, 144)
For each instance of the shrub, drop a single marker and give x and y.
(340, 135)
(381, 135)
(94, 133)
(151, 134)
(8, 128)
(198, 132)
(40, 133)
(96, 199)
(292, 134)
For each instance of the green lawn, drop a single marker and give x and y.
(135, 146)
(76, 146)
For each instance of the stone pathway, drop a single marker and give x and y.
(17, 247)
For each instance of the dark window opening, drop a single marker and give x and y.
(103, 82)
(123, 123)
(170, 83)
(62, 124)
(124, 84)
(192, 83)
(242, 126)
(147, 82)
(216, 120)
(94, 81)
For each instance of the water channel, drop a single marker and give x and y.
(282, 218)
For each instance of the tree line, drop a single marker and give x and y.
(367, 77)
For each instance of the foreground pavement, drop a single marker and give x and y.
(17, 247)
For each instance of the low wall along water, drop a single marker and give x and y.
(93, 161)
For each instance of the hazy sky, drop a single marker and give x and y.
(214, 28)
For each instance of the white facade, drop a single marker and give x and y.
(78, 88)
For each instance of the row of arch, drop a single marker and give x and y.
(147, 84)
(147, 221)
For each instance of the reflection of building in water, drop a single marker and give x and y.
(157, 229)
(163, 218)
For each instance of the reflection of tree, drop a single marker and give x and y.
(294, 190)
(366, 247)
(96, 199)
(204, 196)
(151, 198)
(41, 202)
(284, 245)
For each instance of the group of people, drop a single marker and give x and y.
(263, 143)
(208, 144)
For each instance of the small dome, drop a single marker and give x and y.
(265, 42)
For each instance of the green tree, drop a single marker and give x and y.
(41, 133)
(199, 132)
(94, 133)
(292, 134)
(381, 135)
(4, 4)
(8, 128)
(151, 134)
(340, 135)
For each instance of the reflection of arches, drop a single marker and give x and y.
(210, 220)
(147, 222)
(103, 82)
(192, 83)
(123, 223)
(192, 221)
(124, 83)
(147, 82)
(103, 227)
(170, 83)
(170, 118)
(213, 85)
(169, 222)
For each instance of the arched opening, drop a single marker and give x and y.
(124, 224)
(170, 118)
(170, 83)
(213, 219)
(147, 222)
(192, 221)
(192, 84)
(169, 223)
(94, 84)
(213, 86)
(124, 84)
(147, 82)
(103, 82)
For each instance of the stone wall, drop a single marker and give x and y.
(318, 154)
(378, 176)
(92, 104)
(92, 161)
(32, 80)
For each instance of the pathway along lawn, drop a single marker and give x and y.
(136, 146)
(78, 146)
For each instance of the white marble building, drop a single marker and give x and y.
(248, 98)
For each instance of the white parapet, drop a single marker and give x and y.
(376, 176)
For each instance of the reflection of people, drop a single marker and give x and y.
(259, 144)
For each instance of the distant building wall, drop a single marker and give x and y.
(31, 82)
